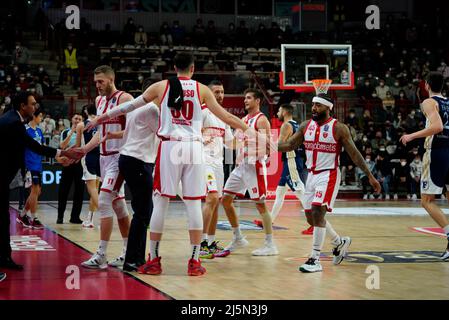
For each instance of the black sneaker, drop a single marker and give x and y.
(445, 255)
(24, 221)
(59, 221)
(311, 265)
(76, 221)
(2, 276)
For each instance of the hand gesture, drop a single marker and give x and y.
(406, 138)
(73, 153)
(375, 184)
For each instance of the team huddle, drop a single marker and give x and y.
(178, 129)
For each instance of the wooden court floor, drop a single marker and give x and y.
(403, 260)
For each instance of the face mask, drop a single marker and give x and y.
(140, 30)
(367, 159)
(8, 79)
(403, 163)
(382, 84)
(401, 95)
(396, 84)
(365, 139)
(17, 88)
(60, 122)
(32, 90)
(69, 47)
(140, 78)
(367, 84)
(16, 68)
(159, 59)
(352, 116)
(412, 114)
(17, 47)
(41, 69)
(7, 100)
(28, 74)
(143, 61)
(374, 95)
(210, 62)
(152, 70)
(382, 149)
(415, 152)
(272, 80)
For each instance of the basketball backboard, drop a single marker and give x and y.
(301, 63)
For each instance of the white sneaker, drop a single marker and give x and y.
(311, 265)
(395, 197)
(445, 256)
(88, 224)
(269, 249)
(97, 261)
(117, 262)
(237, 244)
(414, 197)
(365, 197)
(341, 250)
(371, 196)
(387, 197)
(408, 197)
(443, 197)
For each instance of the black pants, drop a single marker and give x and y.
(5, 248)
(69, 175)
(139, 179)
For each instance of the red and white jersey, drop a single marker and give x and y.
(322, 149)
(105, 104)
(252, 123)
(185, 124)
(215, 132)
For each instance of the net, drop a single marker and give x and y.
(321, 85)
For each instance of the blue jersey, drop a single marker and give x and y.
(33, 161)
(440, 140)
(295, 153)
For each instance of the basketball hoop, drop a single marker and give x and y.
(321, 85)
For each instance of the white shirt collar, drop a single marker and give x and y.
(21, 118)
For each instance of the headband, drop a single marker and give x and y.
(323, 102)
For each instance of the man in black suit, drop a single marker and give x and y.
(13, 142)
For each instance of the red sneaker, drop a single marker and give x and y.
(308, 231)
(194, 268)
(152, 267)
(258, 223)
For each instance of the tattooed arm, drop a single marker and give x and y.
(344, 137)
(295, 141)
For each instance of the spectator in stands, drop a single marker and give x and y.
(421, 92)
(22, 83)
(382, 89)
(48, 125)
(129, 31)
(41, 72)
(410, 92)
(390, 132)
(401, 178)
(415, 173)
(71, 64)
(165, 34)
(402, 103)
(178, 33)
(365, 92)
(276, 35)
(444, 69)
(9, 84)
(140, 37)
(231, 35)
(384, 172)
(21, 56)
(242, 34)
(347, 166)
(378, 140)
(361, 176)
(211, 34)
(211, 65)
(411, 124)
(260, 36)
(366, 119)
(199, 31)
(389, 105)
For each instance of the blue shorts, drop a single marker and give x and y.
(435, 171)
(93, 164)
(291, 169)
(36, 178)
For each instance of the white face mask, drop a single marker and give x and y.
(365, 139)
(403, 163)
(382, 149)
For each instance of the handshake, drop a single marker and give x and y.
(70, 156)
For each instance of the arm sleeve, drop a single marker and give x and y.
(126, 107)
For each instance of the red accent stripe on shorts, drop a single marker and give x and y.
(118, 198)
(212, 191)
(330, 187)
(167, 196)
(106, 190)
(260, 180)
(194, 198)
(157, 169)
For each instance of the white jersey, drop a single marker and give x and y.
(215, 132)
(252, 123)
(140, 140)
(185, 124)
(111, 146)
(322, 149)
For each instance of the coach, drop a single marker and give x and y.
(14, 141)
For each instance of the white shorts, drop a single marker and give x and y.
(248, 177)
(87, 176)
(180, 161)
(214, 178)
(322, 189)
(111, 179)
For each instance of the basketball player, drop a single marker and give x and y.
(112, 195)
(436, 158)
(90, 163)
(180, 154)
(323, 137)
(250, 175)
(215, 134)
(292, 164)
(33, 164)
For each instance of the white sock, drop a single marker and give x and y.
(125, 245)
(154, 249)
(278, 202)
(90, 217)
(25, 213)
(319, 234)
(446, 231)
(237, 232)
(196, 251)
(32, 215)
(210, 239)
(269, 238)
(204, 237)
(103, 247)
(335, 238)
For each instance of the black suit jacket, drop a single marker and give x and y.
(13, 142)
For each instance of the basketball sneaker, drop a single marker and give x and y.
(24, 221)
(311, 265)
(194, 268)
(269, 249)
(308, 231)
(217, 250)
(237, 243)
(87, 224)
(97, 261)
(36, 224)
(2, 276)
(341, 250)
(117, 262)
(205, 252)
(445, 255)
(152, 267)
